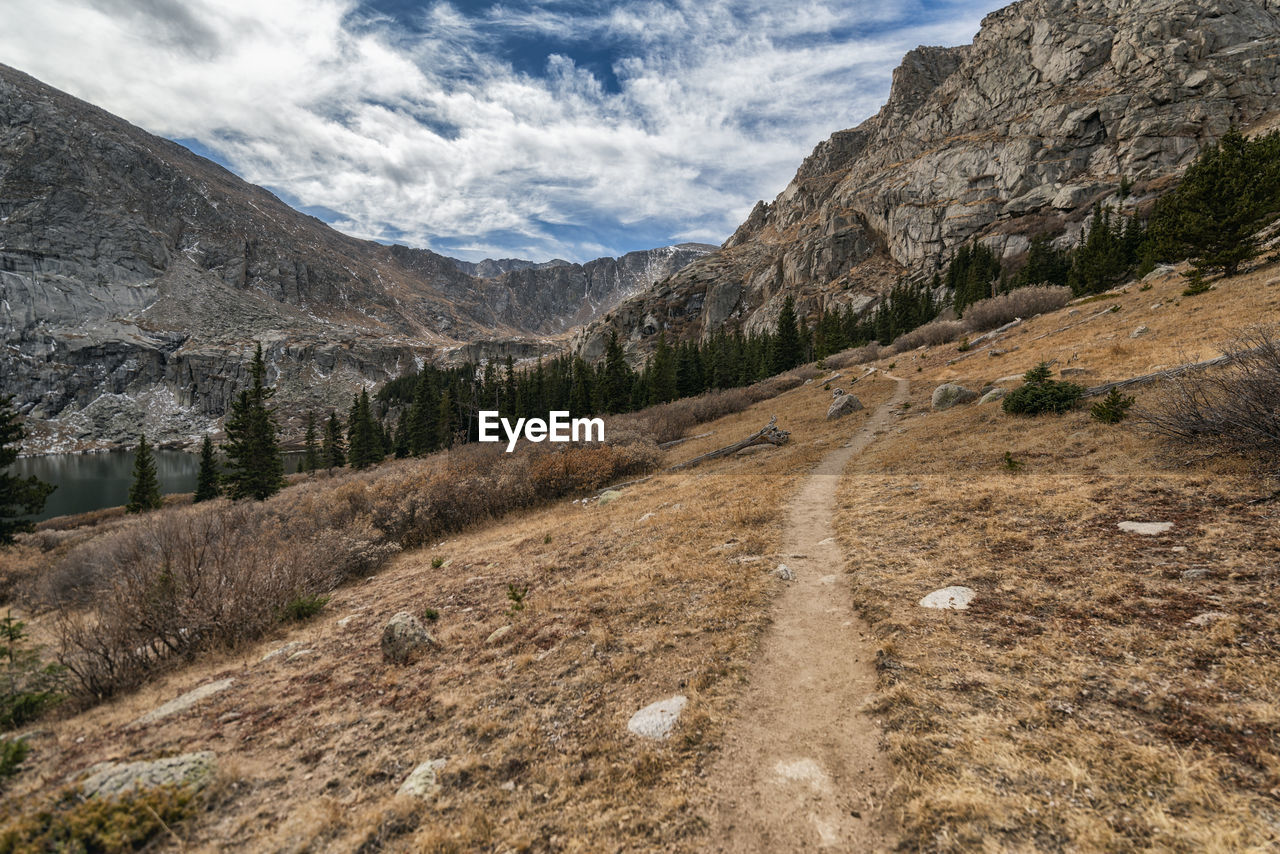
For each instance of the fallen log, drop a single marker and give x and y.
(1158, 375)
(768, 435)
(674, 442)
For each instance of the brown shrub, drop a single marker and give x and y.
(854, 356)
(930, 335)
(1023, 302)
(1233, 410)
(181, 580)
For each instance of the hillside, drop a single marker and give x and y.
(1016, 135)
(1083, 701)
(135, 276)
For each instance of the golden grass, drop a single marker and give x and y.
(622, 610)
(1074, 706)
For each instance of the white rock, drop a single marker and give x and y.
(1139, 332)
(1147, 529)
(784, 572)
(498, 634)
(949, 599)
(423, 781)
(281, 650)
(186, 701)
(107, 779)
(656, 720)
(1208, 617)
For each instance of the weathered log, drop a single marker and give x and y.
(768, 435)
(675, 442)
(1158, 375)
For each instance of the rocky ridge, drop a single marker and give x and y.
(135, 277)
(1016, 134)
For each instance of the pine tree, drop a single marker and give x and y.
(788, 350)
(446, 420)
(616, 383)
(255, 467)
(310, 446)
(18, 496)
(207, 480)
(144, 494)
(662, 372)
(364, 436)
(334, 450)
(422, 415)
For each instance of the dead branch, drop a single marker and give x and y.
(768, 435)
(675, 442)
(1158, 375)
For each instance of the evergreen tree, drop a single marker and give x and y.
(422, 414)
(616, 383)
(18, 496)
(334, 450)
(364, 436)
(255, 467)
(1046, 265)
(207, 480)
(788, 350)
(1225, 197)
(310, 446)
(446, 420)
(662, 372)
(402, 436)
(144, 494)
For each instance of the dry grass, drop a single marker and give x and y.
(1074, 706)
(622, 610)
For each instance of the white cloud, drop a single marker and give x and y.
(432, 137)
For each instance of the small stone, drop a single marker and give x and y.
(1139, 332)
(497, 634)
(509, 786)
(230, 717)
(948, 395)
(608, 496)
(346, 621)
(404, 639)
(186, 701)
(842, 406)
(1194, 574)
(949, 599)
(302, 653)
(1147, 529)
(108, 779)
(423, 781)
(656, 720)
(784, 572)
(1208, 617)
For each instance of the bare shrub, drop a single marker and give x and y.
(1233, 410)
(185, 579)
(854, 356)
(930, 335)
(1023, 302)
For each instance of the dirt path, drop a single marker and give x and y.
(802, 768)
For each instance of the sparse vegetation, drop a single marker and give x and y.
(28, 688)
(12, 752)
(108, 825)
(437, 562)
(1233, 410)
(516, 596)
(1025, 302)
(1011, 464)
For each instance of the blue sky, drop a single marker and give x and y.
(568, 128)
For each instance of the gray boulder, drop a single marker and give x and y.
(108, 779)
(405, 639)
(948, 395)
(842, 406)
(423, 781)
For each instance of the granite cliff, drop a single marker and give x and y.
(135, 277)
(1016, 134)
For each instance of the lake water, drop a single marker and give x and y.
(92, 481)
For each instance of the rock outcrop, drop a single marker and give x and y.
(1015, 135)
(136, 277)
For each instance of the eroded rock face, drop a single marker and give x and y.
(1016, 134)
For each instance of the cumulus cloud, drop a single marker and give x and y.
(499, 130)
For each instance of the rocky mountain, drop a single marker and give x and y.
(135, 277)
(1015, 135)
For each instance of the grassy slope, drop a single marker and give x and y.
(621, 611)
(1074, 707)
(1071, 707)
